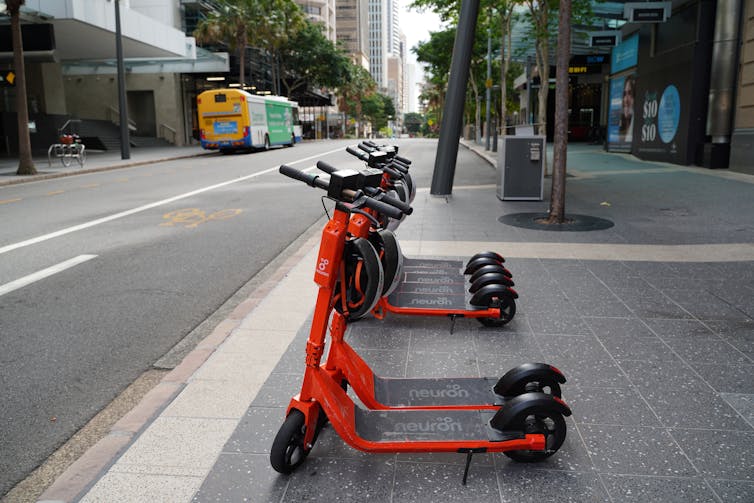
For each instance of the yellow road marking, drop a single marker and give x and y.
(90, 186)
(193, 217)
(121, 180)
(6, 201)
(55, 192)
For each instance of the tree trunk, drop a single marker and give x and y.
(241, 43)
(560, 147)
(25, 162)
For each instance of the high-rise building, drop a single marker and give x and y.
(322, 12)
(378, 37)
(352, 28)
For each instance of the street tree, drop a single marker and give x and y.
(308, 58)
(358, 83)
(236, 24)
(284, 22)
(25, 162)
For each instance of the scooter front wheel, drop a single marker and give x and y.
(288, 450)
(507, 307)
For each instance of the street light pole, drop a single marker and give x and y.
(125, 146)
(488, 90)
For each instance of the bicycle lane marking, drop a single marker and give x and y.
(44, 273)
(156, 204)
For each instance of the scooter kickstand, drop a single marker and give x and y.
(469, 453)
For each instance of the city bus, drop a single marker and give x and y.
(232, 119)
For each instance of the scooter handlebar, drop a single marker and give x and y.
(327, 168)
(389, 207)
(311, 180)
(405, 161)
(392, 201)
(356, 153)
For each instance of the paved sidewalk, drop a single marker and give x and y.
(652, 321)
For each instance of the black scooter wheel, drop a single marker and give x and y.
(475, 264)
(549, 423)
(487, 254)
(391, 258)
(507, 307)
(363, 278)
(497, 268)
(288, 450)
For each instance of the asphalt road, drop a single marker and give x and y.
(131, 261)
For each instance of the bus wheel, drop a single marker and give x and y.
(266, 142)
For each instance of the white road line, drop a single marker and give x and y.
(44, 273)
(116, 216)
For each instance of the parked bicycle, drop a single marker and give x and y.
(68, 148)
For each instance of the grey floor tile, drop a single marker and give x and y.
(651, 269)
(726, 378)
(557, 324)
(626, 327)
(696, 342)
(614, 406)
(733, 490)
(278, 390)
(739, 334)
(582, 359)
(640, 348)
(330, 445)
(600, 306)
(492, 365)
(372, 337)
(442, 340)
(347, 480)
(505, 343)
(445, 458)
(719, 454)
(680, 398)
(384, 362)
(431, 364)
(242, 477)
(742, 403)
(431, 482)
(256, 431)
(650, 303)
(704, 305)
(632, 450)
(543, 486)
(668, 490)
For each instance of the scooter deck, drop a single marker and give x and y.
(428, 426)
(432, 284)
(398, 392)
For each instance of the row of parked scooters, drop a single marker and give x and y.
(361, 271)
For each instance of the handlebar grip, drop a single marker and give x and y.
(366, 148)
(327, 168)
(399, 166)
(311, 180)
(394, 173)
(356, 153)
(383, 208)
(370, 143)
(405, 161)
(397, 203)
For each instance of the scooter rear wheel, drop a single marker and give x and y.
(288, 450)
(550, 423)
(507, 307)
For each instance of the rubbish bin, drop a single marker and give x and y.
(520, 168)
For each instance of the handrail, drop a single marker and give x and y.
(112, 111)
(165, 126)
(69, 121)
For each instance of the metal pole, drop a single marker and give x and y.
(487, 91)
(125, 146)
(450, 130)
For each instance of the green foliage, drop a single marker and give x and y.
(377, 108)
(413, 122)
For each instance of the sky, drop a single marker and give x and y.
(416, 26)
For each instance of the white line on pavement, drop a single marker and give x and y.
(44, 273)
(116, 216)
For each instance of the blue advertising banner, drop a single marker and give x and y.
(620, 120)
(625, 55)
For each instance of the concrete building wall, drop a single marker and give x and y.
(742, 141)
(167, 11)
(96, 97)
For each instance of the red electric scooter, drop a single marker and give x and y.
(528, 426)
(424, 287)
